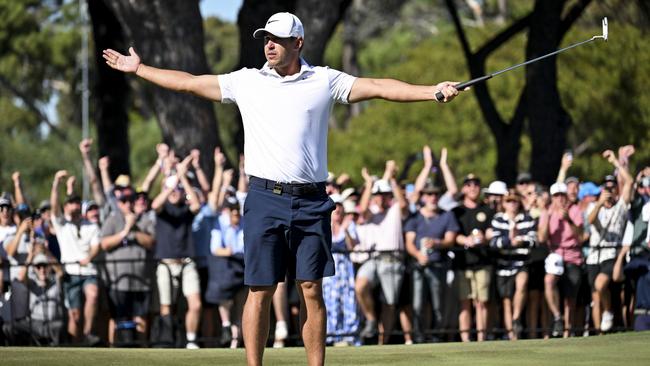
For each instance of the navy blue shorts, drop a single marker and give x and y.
(287, 233)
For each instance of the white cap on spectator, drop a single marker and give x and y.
(283, 25)
(350, 207)
(497, 187)
(558, 188)
(381, 186)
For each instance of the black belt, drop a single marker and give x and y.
(294, 189)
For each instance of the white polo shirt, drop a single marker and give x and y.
(286, 118)
(75, 243)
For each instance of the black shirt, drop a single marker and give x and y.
(468, 220)
(174, 232)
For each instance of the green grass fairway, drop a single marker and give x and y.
(617, 349)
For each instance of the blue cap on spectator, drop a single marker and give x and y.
(23, 207)
(588, 189)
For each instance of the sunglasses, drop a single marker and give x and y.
(126, 198)
(40, 266)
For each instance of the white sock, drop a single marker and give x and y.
(191, 336)
(225, 324)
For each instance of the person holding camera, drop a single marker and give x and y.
(607, 219)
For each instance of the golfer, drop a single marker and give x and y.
(285, 108)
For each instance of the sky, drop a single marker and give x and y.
(224, 9)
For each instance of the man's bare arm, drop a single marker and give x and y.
(205, 86)
(399, 91)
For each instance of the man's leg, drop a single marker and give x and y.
(90, 306)
(193, 315)
(256, 322)
(313, 320)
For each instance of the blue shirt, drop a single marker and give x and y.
(433, 227)
(203, 223)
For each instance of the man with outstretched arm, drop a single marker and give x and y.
(285, 108)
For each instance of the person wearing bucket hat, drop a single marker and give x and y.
(560, 228)
(607, 219)
(494, 194)
(286, 153)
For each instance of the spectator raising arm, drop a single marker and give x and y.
(626, 180)
(421, 180)
(447, 175)
(398, 193)
(567, 160)
(225, 185)
(242, 182)
(54, 193)
(162, 150)
(364, 201)
(200, 175)
(104, 163)
(213, 196)
(89, 170)
(181, 172)
(69, 185)
(18, 189)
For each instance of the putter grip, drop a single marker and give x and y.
(440, 97)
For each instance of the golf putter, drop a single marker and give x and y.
(440, 97)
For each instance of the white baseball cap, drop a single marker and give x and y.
(283, 25)
(558, 188)
(381, 186)
(497, 187)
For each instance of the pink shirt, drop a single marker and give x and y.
(560, 236)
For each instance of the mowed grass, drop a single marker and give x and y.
(617, 349)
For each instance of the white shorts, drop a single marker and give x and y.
(168, 276)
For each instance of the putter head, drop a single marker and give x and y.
(605, 32)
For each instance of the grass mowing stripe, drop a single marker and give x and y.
(626, 349)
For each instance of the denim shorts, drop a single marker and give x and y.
(73, 287)
(286, 234)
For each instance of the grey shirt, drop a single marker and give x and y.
(129, 266)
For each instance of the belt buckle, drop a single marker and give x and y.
(277, 188)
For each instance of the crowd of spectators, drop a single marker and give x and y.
(161, 263)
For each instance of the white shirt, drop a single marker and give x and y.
(6, 234)
(286, 118)
(383, 232)
(75, 243)
(611, 223)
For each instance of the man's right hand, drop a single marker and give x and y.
(121, 62)
(60, 175)
(84, 146)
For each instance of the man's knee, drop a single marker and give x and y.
(311, 290)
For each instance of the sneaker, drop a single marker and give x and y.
(607, 321)
(278, 344)
(91, 340)
(558, 328)
(226, 336)
(281, 331)
(517, 328)
(192, 345)
(370, 330)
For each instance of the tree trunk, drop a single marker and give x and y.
(169, 34)
(110, 91)
(319, 19)
(548, 121)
